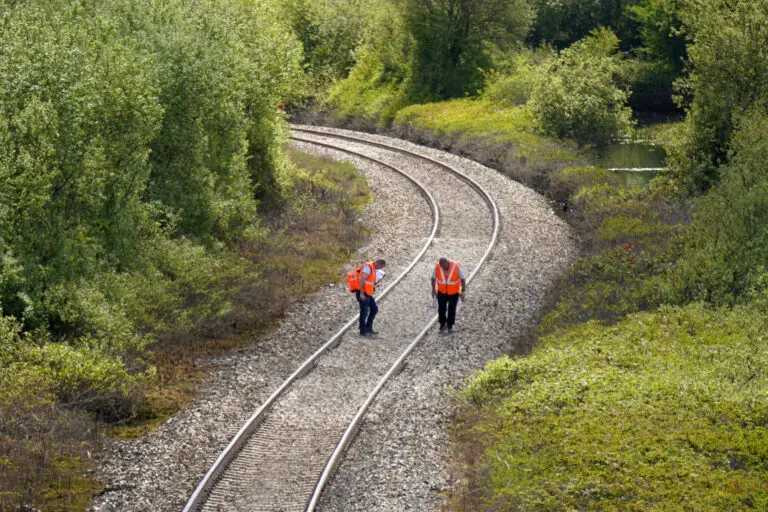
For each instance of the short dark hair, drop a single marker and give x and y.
(444, 261)
(383, 263)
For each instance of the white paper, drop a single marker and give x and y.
(380, 274)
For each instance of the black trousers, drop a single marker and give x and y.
(445, 301)
(368, 310)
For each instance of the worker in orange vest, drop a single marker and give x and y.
(451, 284)
(368, 307)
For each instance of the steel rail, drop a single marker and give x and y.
(229, 453)
(356, 422)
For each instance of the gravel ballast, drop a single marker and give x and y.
(398, 461)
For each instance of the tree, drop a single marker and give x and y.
(727, 243)
(563, 22)
(729, 76)
(449, 40)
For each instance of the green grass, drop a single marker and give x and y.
(513, 126)
(663, 411)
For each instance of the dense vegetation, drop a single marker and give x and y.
(147, 211)
(147, 208)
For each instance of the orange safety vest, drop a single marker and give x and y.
(369, 283)
(449, 284)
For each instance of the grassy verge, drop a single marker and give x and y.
(46, 445)
(662, 411)
(468, 119)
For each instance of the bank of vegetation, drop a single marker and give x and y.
(648, 387)
(149, 215)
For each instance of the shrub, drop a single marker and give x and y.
(578, 96)
(726, 245)
(513, 79)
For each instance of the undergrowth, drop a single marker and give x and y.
(663, 411)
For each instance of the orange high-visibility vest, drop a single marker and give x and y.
(449, 283)
(369, 283)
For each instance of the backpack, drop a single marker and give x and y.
(353, 280)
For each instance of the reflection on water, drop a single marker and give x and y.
(635, 178)
(634, 163)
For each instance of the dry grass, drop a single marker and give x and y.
(45, 451)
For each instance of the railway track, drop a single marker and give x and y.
(286, 453)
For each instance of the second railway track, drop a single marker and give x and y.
(275, 462)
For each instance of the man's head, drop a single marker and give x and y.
(444, 263)
(379, 264)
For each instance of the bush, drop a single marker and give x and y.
(726, 246)
(513, 83)
(578, 96)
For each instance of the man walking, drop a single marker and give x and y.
(364, 294)
(451, 284)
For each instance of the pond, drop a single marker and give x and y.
(634, 163)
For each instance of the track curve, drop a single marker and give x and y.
(247, 486)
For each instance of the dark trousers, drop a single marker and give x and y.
(368, 310)
(445, 301)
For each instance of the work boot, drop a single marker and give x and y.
(373, 333)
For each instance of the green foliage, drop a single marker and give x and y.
(579, 95)
(337, 184)
(663, 411)
(159, 115)
(418, 50)
(662, 34)
(632, 237)
(470, 119)
(330, 33)
(449, 36)
(81, 374)
(564, 22)
(513, 78)
(726, 247)
(136, 137)
(377, 86)
(729, 77)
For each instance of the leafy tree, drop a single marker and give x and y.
(330, 32)
(133, 133)
(449, 38)
(725, 254)
(729, 76)
(578, 95)
(564, 22)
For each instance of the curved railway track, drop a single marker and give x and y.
(279, 461)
